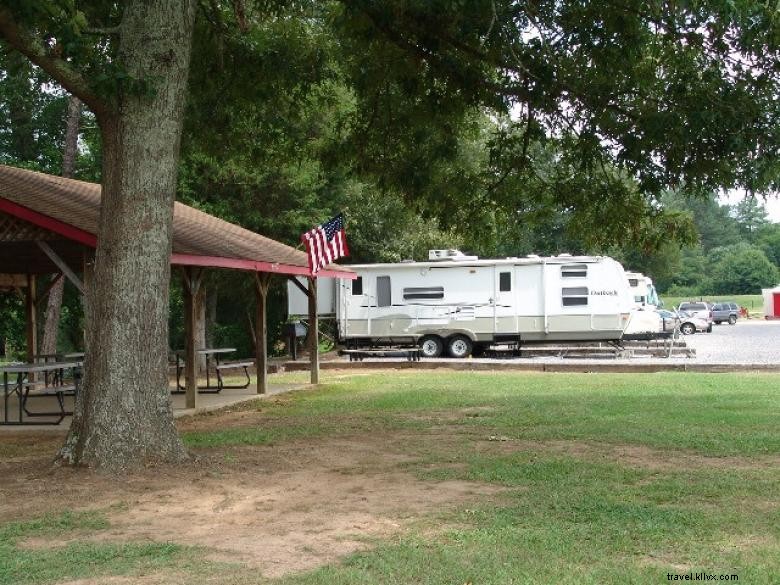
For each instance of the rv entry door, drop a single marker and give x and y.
(504, 294)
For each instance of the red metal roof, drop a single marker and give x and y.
(71, 209)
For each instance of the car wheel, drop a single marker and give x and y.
(709, 329)
(732, 320)
(687, 328)
(431, 346)
(459, 346)
(717, 322)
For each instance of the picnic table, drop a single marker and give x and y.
(213, 363)
(25, 387)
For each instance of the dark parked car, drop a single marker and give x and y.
(725, 311)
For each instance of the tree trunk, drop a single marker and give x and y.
(200, 327)
(123, 415)
(20, 107)
(54, 303)
(211, 313)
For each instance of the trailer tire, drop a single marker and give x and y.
(459, 346)
(431, 346)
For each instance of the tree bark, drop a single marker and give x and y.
(200, 327)
(211, 313)
(19, 74)
(123, 415)
(54, 302)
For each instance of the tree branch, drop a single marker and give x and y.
(58, 68)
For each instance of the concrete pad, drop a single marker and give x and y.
(206, 403)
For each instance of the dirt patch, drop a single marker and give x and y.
(281, 509)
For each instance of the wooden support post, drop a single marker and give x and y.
(262, 280)
(314, 332)
(32, 321)
(192, 278)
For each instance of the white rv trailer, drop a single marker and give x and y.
(644, 318)
(455, 302)
(643, 290)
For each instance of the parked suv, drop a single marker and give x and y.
(700, 309)
(725, 311)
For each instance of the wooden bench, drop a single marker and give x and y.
(41, 390)
(219, 367)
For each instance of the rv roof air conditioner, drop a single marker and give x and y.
(450, 255)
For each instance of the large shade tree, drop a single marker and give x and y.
(129, 64)
(600, 106)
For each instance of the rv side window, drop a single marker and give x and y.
(383, 298)
(357, 286)
(505, 281)
(574, 296)
(423, 292)
(574, 271)
(633, 282)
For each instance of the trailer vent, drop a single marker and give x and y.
(574, 271)
(424, 292)
(575, 296)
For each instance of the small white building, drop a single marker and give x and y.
(771, 302)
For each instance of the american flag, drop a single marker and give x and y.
(326, 243)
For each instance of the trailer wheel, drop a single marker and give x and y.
(459, 346)
(431, 346)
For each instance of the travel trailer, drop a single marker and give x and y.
(644, 320)
(643, 290)
(455, 304)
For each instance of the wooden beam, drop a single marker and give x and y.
(31, 321)
(314, 332)
(13, 280)
(191, 278)
(60, 263)
(262, 280)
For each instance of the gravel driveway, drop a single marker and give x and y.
(747, 342)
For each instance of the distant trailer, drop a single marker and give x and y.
(457, 304)
(645, 321)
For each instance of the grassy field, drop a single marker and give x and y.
(580, 479)
(753, 303)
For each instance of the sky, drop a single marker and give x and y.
(772, 203)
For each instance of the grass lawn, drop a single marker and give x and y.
(753, 303)
(585, 478)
